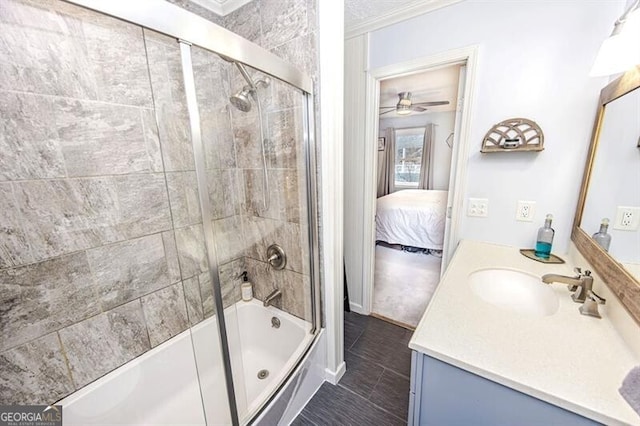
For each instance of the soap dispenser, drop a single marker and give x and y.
(545, 239)
(602, 238)
(246, 287)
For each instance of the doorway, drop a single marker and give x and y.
(413, 268)
(416, 131)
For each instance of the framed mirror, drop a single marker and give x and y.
(611, 189)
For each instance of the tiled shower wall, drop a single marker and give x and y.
(101, 246)
(287, 28)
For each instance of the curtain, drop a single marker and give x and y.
(426, 171)
(387, 175)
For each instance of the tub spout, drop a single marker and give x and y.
(268, 301)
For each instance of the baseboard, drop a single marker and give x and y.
(357, 308)
(334, 377)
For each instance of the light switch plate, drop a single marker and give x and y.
(478, 207)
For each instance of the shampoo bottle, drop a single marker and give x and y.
(246, 287)
(545, 239)
(602, 237)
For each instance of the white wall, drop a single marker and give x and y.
(534, 61)
(354, 153)
(331, 49)
(441, 162)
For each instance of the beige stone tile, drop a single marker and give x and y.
(191, 250)
(44, 297)
(34, 373)
(63, 216)
(165, 313)
(193, 299)
(100, 139)
(102, 343)
(28, 138)
(185, 202)
(228, 239)
(130, 269)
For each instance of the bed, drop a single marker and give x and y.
(412, 217)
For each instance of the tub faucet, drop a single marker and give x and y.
(268, 301)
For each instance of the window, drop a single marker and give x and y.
(409, 143)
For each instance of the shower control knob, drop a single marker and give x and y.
(276, 257)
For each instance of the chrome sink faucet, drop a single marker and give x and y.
(582, 286)
(268, 301)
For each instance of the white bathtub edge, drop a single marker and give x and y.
(306, 382)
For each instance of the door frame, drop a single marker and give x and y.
(459, 158)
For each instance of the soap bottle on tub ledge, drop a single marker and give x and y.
(246, 288)
(545, 239)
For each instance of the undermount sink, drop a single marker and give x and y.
(514, 290)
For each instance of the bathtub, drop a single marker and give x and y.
(182, 381)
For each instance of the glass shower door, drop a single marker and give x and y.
(179, 154)
(253, 147)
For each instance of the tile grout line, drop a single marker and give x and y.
(71, 98)
(378, 363)
(354, 342)
(376, 385)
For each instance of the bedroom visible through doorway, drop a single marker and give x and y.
(416, 135)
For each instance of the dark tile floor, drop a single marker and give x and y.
(375, 388)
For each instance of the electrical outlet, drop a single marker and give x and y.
(627, 218)
(478, 207)
(525, 211)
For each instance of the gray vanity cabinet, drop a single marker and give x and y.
(442, 394)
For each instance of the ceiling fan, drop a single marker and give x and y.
(405, 106)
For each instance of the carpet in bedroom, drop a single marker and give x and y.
(403, 284)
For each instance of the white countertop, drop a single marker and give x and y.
(567, 359)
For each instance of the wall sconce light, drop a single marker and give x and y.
(621, 51)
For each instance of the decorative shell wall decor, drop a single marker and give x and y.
(514, 134)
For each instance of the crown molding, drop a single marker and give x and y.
(221, 7)
(395, 16)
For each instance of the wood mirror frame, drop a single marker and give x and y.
(615, 276)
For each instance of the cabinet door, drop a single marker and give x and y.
(447, 395)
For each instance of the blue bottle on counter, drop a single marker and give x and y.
(545, 239)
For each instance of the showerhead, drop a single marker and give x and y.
(241, 99)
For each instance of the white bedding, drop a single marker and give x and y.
(413, 217)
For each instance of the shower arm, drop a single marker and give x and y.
(245, 74)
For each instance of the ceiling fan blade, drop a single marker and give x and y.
(387, 112)
(434, 103)
(418, 108)
(392, 107)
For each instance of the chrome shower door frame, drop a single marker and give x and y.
(205, 209)
(172, 20)
(190, 29)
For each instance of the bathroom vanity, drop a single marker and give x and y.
(483, 361)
